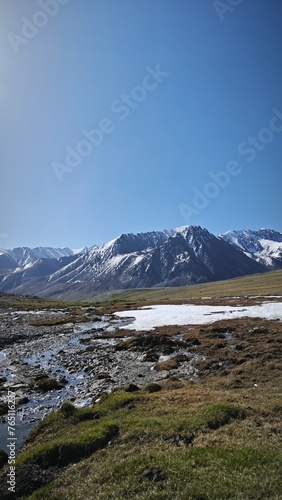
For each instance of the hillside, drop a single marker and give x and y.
(258, 284)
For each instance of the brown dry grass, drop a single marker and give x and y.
(240, 352)
(170, 364)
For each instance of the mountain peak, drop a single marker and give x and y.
(127, 243)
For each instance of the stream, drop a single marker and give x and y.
(50, 354)
(82, 357)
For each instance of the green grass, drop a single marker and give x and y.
(198, 441)
(269, 283)
(203, 473)
(79, 440)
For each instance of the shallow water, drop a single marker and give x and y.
(48, 358)
(82, 356)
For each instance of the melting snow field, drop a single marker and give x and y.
(148, 318)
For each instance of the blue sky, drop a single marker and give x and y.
(70, 66)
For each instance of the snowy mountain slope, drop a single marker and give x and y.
(183, 256)
(129, 243)
(193, 255)
(264, 245)
(29, 274)
(77, 251)
(7, 263)
(25, 255)
(116, 263)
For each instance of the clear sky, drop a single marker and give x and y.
(171, 90)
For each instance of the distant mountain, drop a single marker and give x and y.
(7, 263)
(27, 267)
(177, 257)
(33, 275)
(264, 245)
(25, 255)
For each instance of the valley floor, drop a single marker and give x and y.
(190, 411)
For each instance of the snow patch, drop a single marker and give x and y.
(188, 314)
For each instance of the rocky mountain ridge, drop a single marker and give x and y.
(264, 245)
(182, 256)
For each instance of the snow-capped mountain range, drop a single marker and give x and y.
(175, 257)
(26, 255)
(264, 245)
